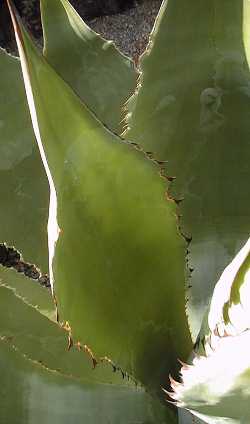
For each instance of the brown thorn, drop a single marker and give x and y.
(187, 238)
(79, 346)
(170, 395)
(162, 163)
(178, 201)
(169, 178)
(184, 365)
(90, 353)
(174, 383)
(70, 342)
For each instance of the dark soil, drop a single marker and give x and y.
(128, 23)
(30, 11)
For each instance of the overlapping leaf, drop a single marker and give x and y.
(119, 261)
(24, 194)
(93, 67)
(30, 394)
(216, 384)
(31, 346)
(192, 108)
(44, 342)
(23, 186)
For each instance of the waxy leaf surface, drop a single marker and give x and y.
(118, 265)
(45, 343)
(92, 66)
(216, 384)
(30, 395)
(23, 186)
(192, 108)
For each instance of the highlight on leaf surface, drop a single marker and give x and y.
(23, 188)
(118, 264)
(192, 110)
(102, 76)
(31, 394)
(216, 383)
(45, 343)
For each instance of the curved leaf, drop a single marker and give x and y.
(119, 261)
(92, 66)
(46, 344)
(29, 292)
(23, 187)
(30, 394)
(217, 383)
(192, 108)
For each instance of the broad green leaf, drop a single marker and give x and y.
(43, 345)
(23, 185)
(118, 264)
(92, 66)
(29, 291)
(216, 384)
(192, 108)
(31, 395)
(46, 344)
(24, 188)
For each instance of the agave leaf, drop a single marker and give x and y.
(192, 109)
(30, 394)
(23, 187)
(217, 383)
(29, 292)
(118, 263)
(45, 343)
(92, 66)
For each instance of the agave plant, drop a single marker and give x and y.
(147, 176)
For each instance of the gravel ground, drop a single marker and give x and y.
(129, 30)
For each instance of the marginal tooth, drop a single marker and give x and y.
(221, 329)
(184, 365)
(70, 342)
(174, 384)
(79, 346)
(209, 351)
(172, 395)
(178, 201)
(216, 331)
(226, 334)
(175, 403)
(214, 340)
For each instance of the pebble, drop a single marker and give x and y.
(129, 30)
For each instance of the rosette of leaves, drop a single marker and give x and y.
(118, 235)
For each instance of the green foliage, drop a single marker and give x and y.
(217, 383)
(102, 77)
(117, 252)
(24, 188)
(29, 393)
(98, 178)
(192, 109)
